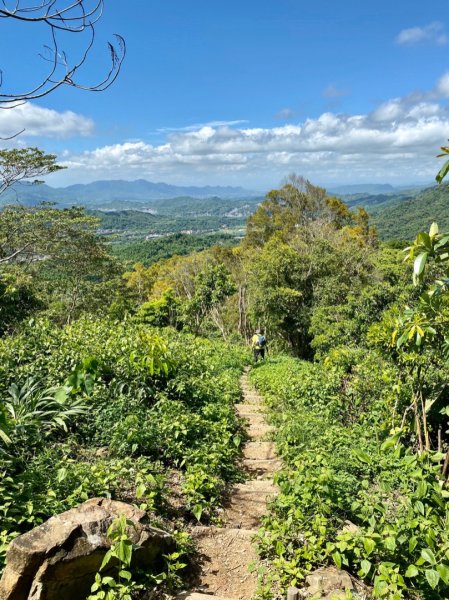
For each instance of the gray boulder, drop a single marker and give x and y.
(59, 559)
(329, 583)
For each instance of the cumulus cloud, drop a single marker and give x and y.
(397, 141)
(433, 33)
(43, 122)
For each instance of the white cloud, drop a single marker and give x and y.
(201, 125)
(43, 122)
(442, 87)
(433, 33)
(397, 141)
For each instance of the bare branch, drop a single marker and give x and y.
(14, 254)
(76, 16)
(11, 137)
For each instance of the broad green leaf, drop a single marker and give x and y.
(124, 551)
(390, 441)
(421, 490)
(412, 571)
(419, 264)
(197, 512)
(107, 557)
(369, 545)
(443, 571)
(442, 242)
(125, 574)
(412, 544)
(390, 543)
(61, 474)
(423, 239)
(442, 172)
(420, 507)
(432, 577)
(140, 490)
(365, 567)
(428, 556)
(61, 394)
(337, 559)
(280, 548)
(380, 587)
(362, 456)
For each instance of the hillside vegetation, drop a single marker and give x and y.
(119, 380)
(151, 251)
(403, 218)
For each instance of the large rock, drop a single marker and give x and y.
(58, 560)
(329, 582)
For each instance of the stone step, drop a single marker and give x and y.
(259, 450)
(225, 554)
(257, 467)
(259, 431)
(254, 400)
(254, 418)
(248, 409)
(248, 503)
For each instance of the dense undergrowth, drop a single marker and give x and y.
(351, 493)
(115, 409)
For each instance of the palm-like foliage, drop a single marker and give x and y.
(29, 411)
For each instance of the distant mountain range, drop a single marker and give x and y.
(114, 193)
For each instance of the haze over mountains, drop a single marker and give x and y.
(112, 192)
(121, 194)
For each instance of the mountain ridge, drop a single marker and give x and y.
(96, 193)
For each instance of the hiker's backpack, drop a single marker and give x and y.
(261, 341)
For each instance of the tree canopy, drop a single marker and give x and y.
(17, 165)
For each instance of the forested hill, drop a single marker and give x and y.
(403, 218)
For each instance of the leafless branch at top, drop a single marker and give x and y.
(75, 16)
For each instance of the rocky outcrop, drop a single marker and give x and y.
(59, 558)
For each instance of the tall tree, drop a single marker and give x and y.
(24, 164)
(57, 258)
(296, 204)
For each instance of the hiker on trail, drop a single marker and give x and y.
(258, 344)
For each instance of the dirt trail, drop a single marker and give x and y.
(227, 552)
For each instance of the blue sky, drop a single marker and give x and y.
(243, 93)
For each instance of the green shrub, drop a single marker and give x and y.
(344, 463)
(152, 402)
